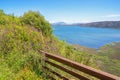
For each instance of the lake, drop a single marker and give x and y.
(86, 36)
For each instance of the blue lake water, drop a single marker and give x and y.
(86, 36)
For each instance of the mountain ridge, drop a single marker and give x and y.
(100, 24)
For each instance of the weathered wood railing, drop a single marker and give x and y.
(88, 70)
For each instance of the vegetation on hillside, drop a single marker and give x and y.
(107, 57)
(22, 38)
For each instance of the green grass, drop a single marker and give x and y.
(107, 57)
(22, 38)
(110, 57)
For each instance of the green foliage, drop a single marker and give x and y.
(22, 38)
(5, 72)
(109, 57)
(37, 20)
(8, 19)
(19, 48)
(27, 74)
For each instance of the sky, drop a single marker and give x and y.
(69, 11)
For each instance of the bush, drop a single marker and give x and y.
(35, 19)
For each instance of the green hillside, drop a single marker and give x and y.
(106, 57)
(109, 58)
(22, 38)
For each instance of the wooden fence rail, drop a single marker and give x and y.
(83, 68)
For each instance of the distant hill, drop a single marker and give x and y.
(102, 24)
(58, 23)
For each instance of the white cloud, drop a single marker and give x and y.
(112, 16)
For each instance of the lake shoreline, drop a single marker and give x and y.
(88, 27)
(85, 36)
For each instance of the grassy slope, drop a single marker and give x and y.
(107, 57)
(21, 40)
(18, 49)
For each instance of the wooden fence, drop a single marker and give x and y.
(83, 68)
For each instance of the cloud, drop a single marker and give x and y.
(112, 16)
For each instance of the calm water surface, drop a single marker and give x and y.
(85, 36)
